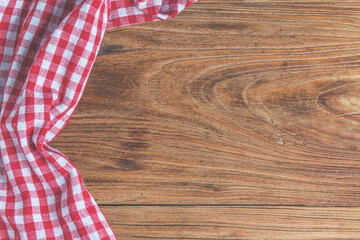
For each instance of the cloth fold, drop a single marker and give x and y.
(47, 49)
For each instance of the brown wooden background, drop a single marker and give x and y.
(235, 120)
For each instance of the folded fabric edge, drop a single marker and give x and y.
(130, 12)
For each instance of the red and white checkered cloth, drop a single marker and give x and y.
(47, 48)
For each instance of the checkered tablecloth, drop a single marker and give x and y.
(47, 48)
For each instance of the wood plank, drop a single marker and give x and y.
(231, 102)
(231, 222)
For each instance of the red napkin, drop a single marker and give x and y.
(47, 48)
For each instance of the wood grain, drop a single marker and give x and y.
(248, 103)
(231, 222)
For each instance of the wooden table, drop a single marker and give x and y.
(235, 120)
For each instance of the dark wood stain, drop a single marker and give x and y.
(110, 49)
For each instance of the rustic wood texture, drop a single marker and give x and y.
(236, 119)
(232, 222)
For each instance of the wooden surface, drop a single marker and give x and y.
(235, 120)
